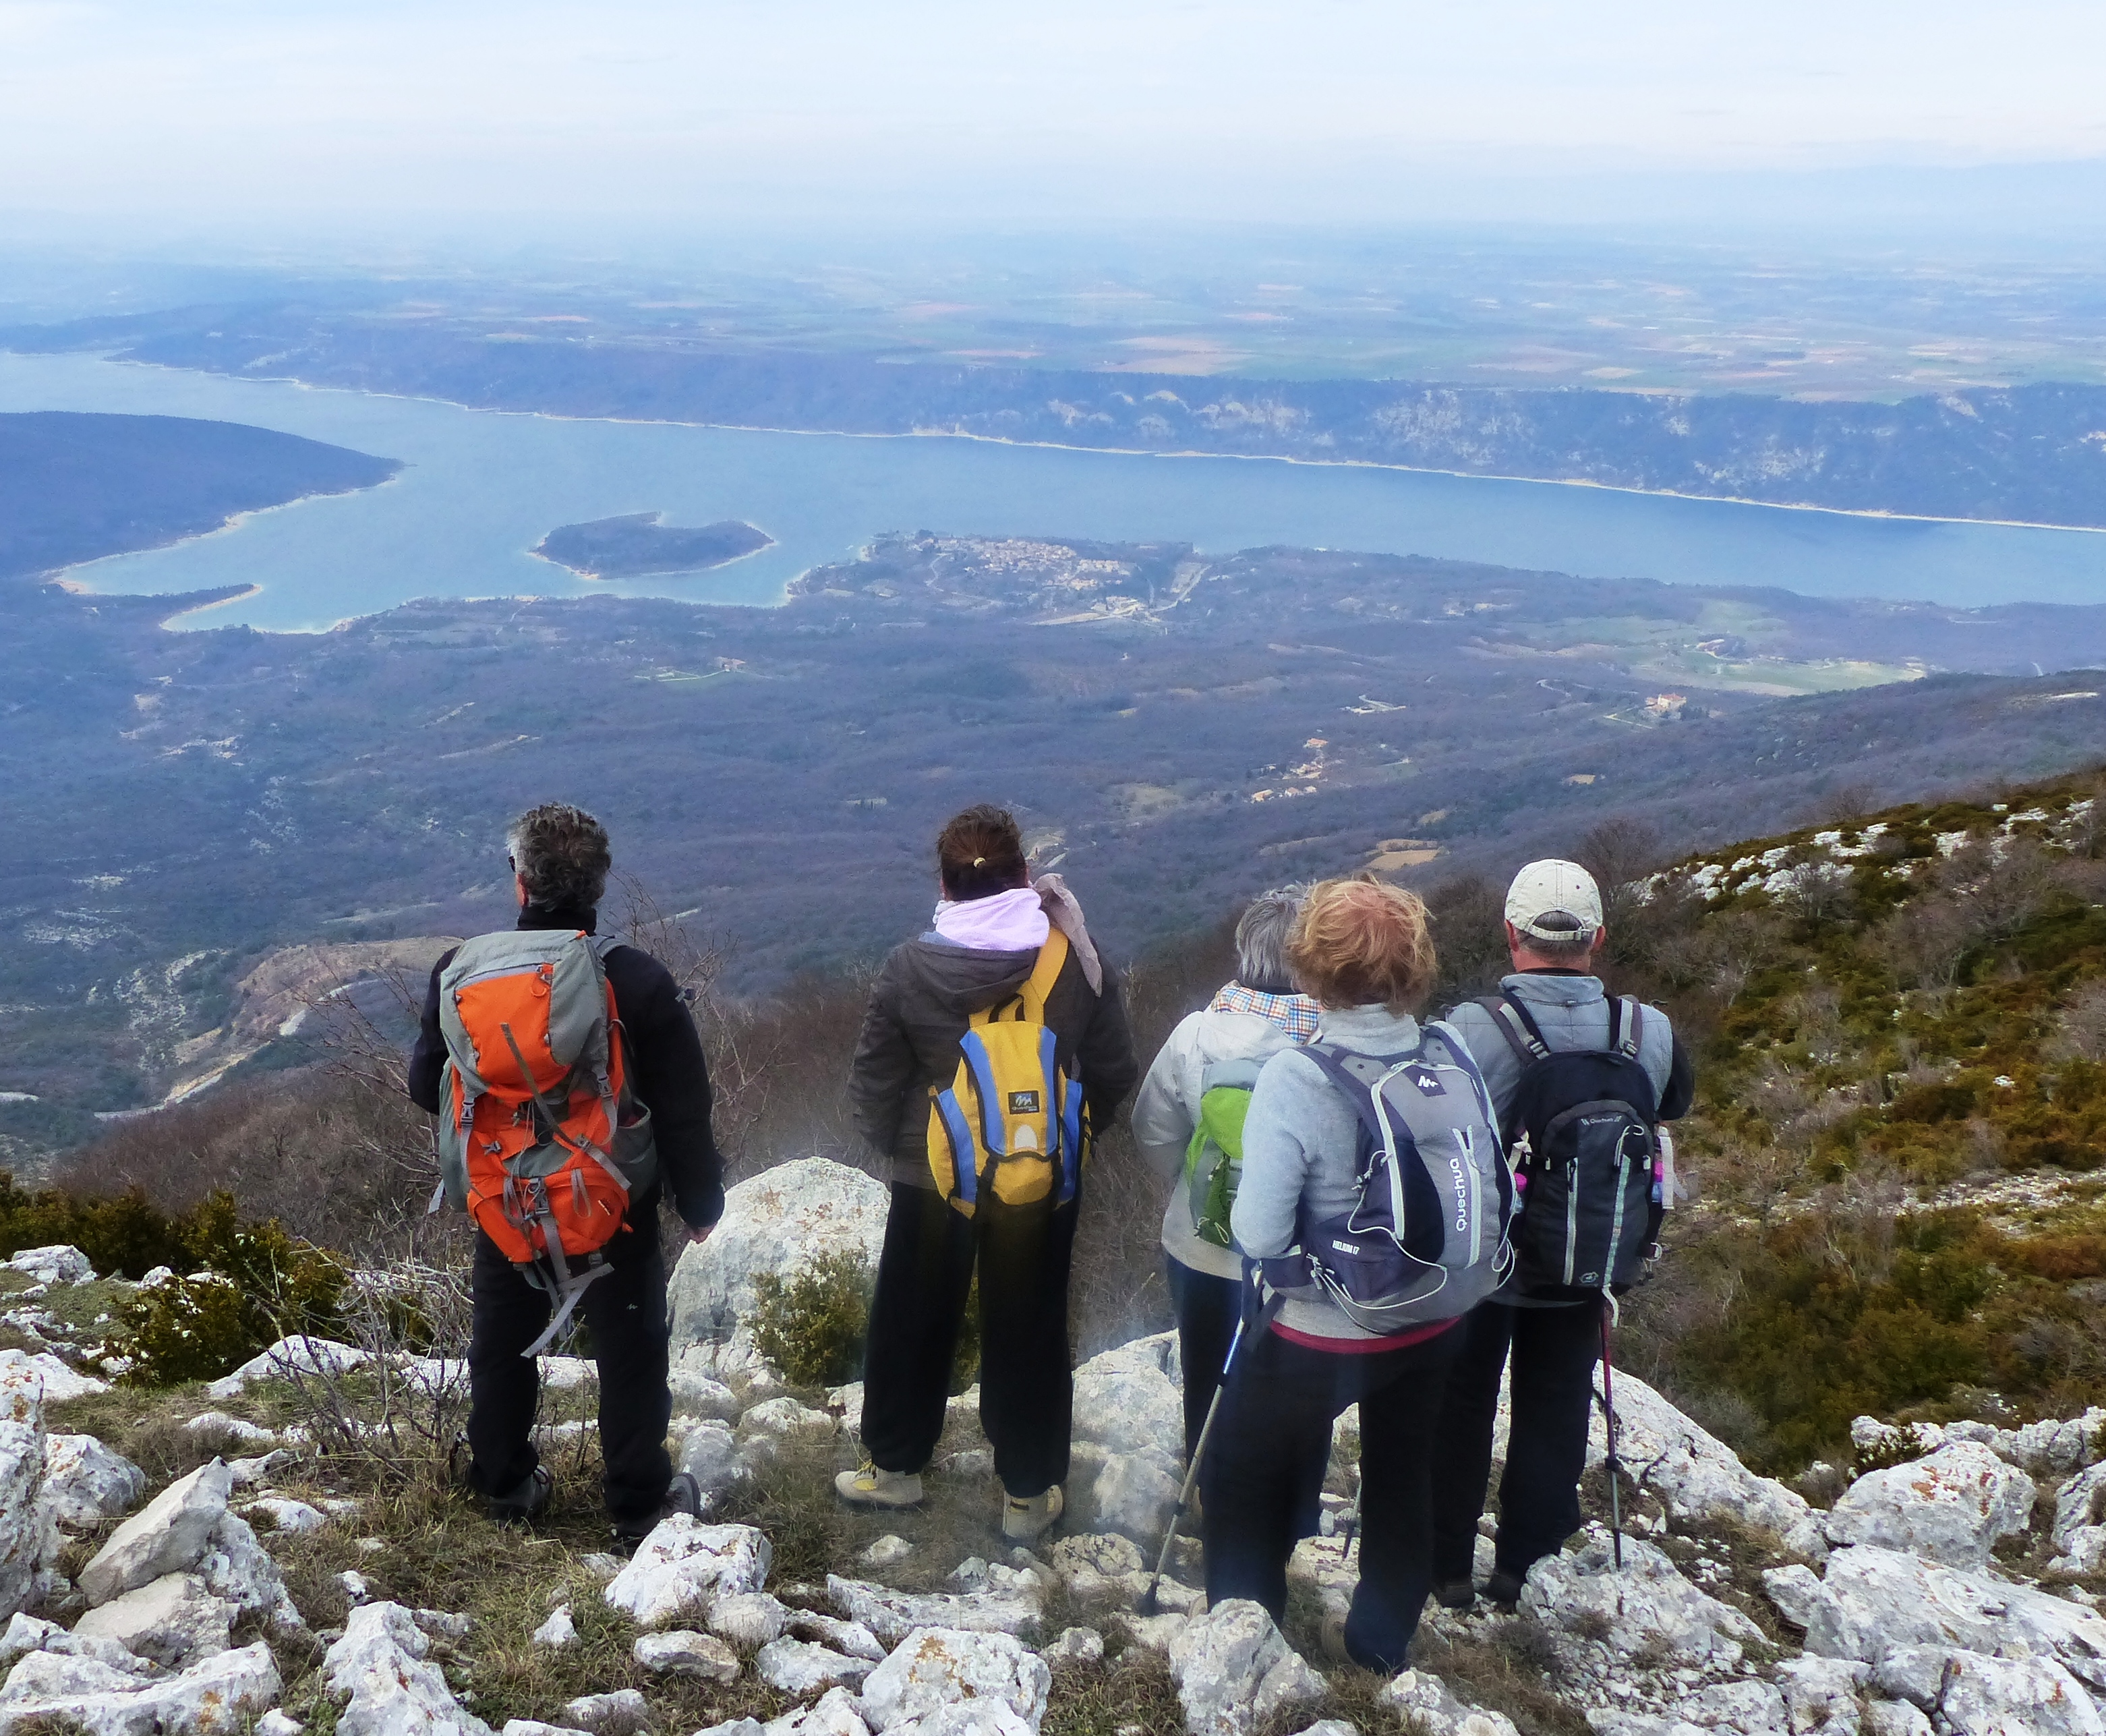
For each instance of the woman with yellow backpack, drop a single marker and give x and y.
(991, 1046)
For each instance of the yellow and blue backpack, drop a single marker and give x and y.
(1011, 1121)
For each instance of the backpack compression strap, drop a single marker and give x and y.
(1626, 1026)
(1523, 1036)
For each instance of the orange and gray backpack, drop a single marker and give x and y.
(540, 1140)
(1012, 1121)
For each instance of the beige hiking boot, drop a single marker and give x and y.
(1024, 1518)
(868, 1487)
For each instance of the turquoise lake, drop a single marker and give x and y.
(480, 488)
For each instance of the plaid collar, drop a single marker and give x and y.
(1295, 1014)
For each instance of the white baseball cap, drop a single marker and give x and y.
(1554, 888)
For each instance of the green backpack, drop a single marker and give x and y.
(1214, 1160)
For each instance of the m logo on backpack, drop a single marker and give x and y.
(1582, 1136)
(1011, 1120)
(539, 1138)
(1426, 1239)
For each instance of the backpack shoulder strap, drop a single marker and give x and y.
(1358, 1092)
(1044, 974)
(1626, 1026)
(1523, 1036)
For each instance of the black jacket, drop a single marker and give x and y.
(666, 1071)
(918, 1010)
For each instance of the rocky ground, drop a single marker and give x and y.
(282, 1549)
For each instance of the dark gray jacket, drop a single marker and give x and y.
(925, 994)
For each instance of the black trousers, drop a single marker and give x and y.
(625, 1313)
(1206, 1308)
(1264, 1469)
(924, 1272)
(1553, 1353)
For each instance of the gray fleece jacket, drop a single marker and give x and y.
(1302, 1143)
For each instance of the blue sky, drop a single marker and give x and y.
(1334, 109)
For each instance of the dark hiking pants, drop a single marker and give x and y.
(1553, 1353)
(924, 1272)
(1206, 1308)
(626, 1313)
(1265, 1467)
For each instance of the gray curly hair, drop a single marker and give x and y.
(561, 853)
(1262, 933)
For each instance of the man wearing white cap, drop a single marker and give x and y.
(1554, 931)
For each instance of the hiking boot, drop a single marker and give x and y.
(529, 1501)
(1027, 1517)
(868, 1487)
(1454, 1594)
(1503, 1588)
(682, 1495)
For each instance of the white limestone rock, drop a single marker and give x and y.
(846, 1402)
(851, 1639)
(893, 1615)
(28, 1539)
(378, 1666)
(1135, 1493)
(779, 1221)
(711, 1456)
(1234, 1671)
(683, 1565)
(836, 1713)
(702, 1657)
(2079, 1533)
(58, 1266)
(965, 1718)
(536, 1727)
(289, 1356)
(1743, 1705)
(293, 1517)
(784, 1416)
(624, 1712)
(1080, 1647)
(2016, 1697)
(1093, 1565)
(174, 1620)
(1423, 1697)
(888, 1551)
(934, 1667)
(798, 1665)
(2055, 1446)
(217, 1696)
(1895, 1718)
(1950, 1506)
(235, 1428)
(1126, 1399)
(1820, 1691)
(240, 1569)
(559, 1633)
(277, 1722)
(1695, 1474)
(86, 1482)
(1872, 1602)
(697, 1394)
(747, 1618)
(170, 1535)
(1649, 1604)
(28, 1633)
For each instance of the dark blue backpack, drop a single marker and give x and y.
(1581, 1133)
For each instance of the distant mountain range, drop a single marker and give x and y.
(2035, 453)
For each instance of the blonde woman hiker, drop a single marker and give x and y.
(1204, 1074)
(1005, 981)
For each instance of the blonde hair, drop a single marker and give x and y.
(1363, 940)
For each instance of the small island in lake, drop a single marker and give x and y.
(636, 545)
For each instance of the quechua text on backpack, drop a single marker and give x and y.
(1581, 1136)
(1011, 1121)
(1214, 1159)
(1426, 1238)
(540, 1140)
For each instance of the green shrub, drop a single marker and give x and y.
(125, 1234)
(250, 1284)
(811, 1325)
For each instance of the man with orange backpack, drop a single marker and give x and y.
(571, 1091)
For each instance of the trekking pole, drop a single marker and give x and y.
(1609, 1414)
(1147, 1606)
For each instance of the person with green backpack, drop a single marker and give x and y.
(991, 1046)
(1189, 1121)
